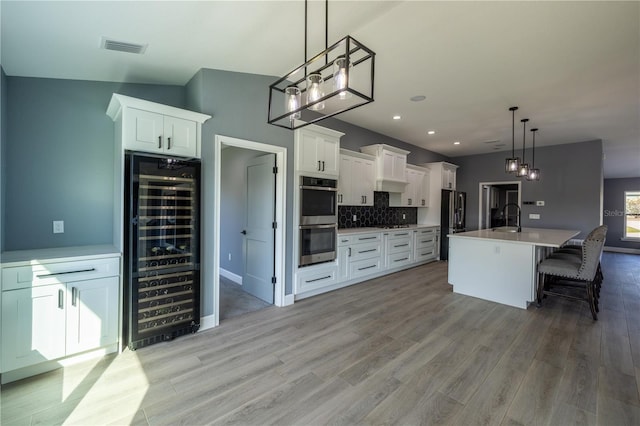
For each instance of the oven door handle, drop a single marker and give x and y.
(331, 225)
(319, 188)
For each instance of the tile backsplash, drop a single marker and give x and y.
(378, 214)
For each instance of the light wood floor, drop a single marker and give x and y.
(401, 349)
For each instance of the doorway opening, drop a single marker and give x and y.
(493, 196)
(249, 226)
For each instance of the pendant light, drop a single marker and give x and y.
(523, 169)
(334, 81)
(511, 164)
(534, 174)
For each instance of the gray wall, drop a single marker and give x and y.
(614, 210)
(233, 200)
(59, 159)
(571, 185)
(238, 104)
(355, 137)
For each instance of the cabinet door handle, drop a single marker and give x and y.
(365, 199)
(60, 299)
(319, 169)
(349, 251)
(159, 141)
(323, 166)
(168, 143)
(74, 296)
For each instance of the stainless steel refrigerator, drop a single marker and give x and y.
(161, 256)
(453, 212)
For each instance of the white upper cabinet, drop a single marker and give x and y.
(317, 151)
(150, 127)
(416, 192)
(390, 166)
(443, 175)
(357, 179)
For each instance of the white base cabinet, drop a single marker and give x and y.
(367, 255)
(55, 309)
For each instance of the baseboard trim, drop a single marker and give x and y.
(289, 299)
(622, 250)
(231, 276)
(207, 322)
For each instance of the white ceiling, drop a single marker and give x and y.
(572, 67)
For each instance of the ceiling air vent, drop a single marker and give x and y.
(123, 46)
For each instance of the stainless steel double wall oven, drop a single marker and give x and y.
(318, 220)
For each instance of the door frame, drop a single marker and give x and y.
(281, 203)
(490, 184)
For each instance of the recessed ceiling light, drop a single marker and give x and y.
(396, 117)
(456, 143)
(431, 132)
(418, 98)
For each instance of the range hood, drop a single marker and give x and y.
(391, 163)
(389, 185)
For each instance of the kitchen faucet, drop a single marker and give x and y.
(519, 218)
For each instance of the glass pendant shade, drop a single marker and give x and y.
(341, 77)
(511, 165)
(292, 101)
(534, 174)
(523, 170)
(315, 91)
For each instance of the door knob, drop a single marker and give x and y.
(244, 232)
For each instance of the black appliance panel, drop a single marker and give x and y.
(163, 277)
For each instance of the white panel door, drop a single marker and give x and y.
(259, 233)
(307, 151)
(180, 136)
(345, 191)
(92, 314)
(328, 154)
(33, 325)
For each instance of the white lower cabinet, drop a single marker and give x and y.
(315, 277)
(426, 244)
(54, 310)
(399, 248)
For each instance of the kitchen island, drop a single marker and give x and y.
(500, 264)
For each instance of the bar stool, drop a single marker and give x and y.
(571, 270)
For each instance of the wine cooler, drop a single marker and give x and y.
(161, 261)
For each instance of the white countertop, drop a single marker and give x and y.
(364, 230)
(531, 236)
(28, 257)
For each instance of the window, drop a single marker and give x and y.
(632, 214)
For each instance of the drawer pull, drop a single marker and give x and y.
(318, 279)
(60, 299)
(426, 254)
(53, 274)
(399, 235)
(366, 238)
(367, 267)
(427, 241)
(401, 245)
(367, 251)
(401, 260)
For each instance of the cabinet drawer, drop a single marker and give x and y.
(399, 235)
(425, 241)
(424, 232)
(399, 245)
(399, 259)
(315, 279)
(365, 267)
(60, 272)
(426, 253)
(343, 240)
(366, 238)
(365, 251)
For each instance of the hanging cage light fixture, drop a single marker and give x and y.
(534, 174)
(336, 80)
(523, 169)
(511, 164)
